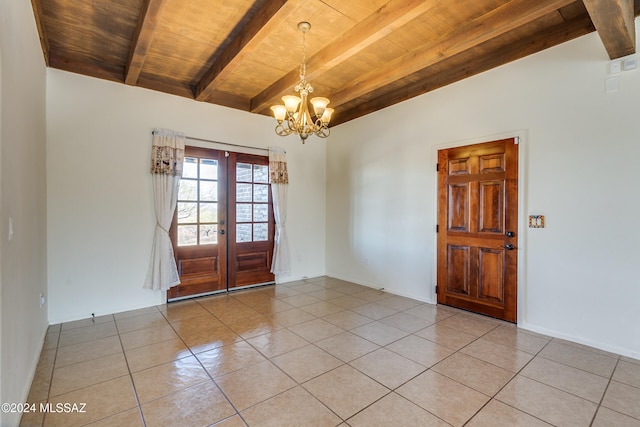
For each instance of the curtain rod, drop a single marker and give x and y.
(193, 138)
(226, 143)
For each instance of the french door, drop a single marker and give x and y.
(223, 227)
(477, 228)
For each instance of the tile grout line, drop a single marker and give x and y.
(53, 368)
(393, 390)
(133, 384)
(298, 384)
(493, 398)
(276, 366)
(604, 393)
(430, 368)
(209, 374)
(253, 304)
(575, 367)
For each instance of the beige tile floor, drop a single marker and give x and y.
(324, 352)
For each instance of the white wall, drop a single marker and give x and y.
(23, 198)
(579, 276)
(100, 211)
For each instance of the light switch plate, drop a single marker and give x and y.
(536, 221)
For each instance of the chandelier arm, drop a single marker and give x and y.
(291, 124)
(282, 131)
(323, 132)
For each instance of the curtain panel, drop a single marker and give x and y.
(279, 178)
(167, 156)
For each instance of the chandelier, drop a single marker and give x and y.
(294, 116)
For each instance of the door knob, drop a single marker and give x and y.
(510, 234)
(509, 247)
(221, 231)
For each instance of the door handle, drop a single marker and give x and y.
(510, 234)
(509, 247)
(221, 231)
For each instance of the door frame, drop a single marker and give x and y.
(225, 151)
(522, 137)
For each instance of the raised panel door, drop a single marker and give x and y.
(477, 238)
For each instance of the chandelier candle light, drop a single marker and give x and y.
(295, 111)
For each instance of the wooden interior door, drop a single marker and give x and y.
(223, 227)
(477, 228)
(251, 223)
(199, 225)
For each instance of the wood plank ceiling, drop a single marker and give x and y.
(364, 55)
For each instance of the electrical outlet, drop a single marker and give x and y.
(536, 221)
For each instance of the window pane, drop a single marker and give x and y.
(243, 172)
(188, 189)
(260, 193)
(260, 232)
(208, 212)
(243, 212)
(261, 213)
(260, 173)
(187, 213)
(208, 191)
(243, 233)
(243, 192)
(190, 167)
(187, 235)
(208, 169)
(208, 234)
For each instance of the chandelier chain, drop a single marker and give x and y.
(303, 66)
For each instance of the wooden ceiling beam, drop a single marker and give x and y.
(514, 51)
(147, 22)
(264, 22)
(42, 33)
(376, 26)
(82, 66)
(614, 21)
(507, 17)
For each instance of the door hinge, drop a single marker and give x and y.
(436, 289)
(437, 167)
(437, 228)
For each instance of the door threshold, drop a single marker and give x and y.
(223, 291)
(477, 313)
(257, 285)
(204, 294)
